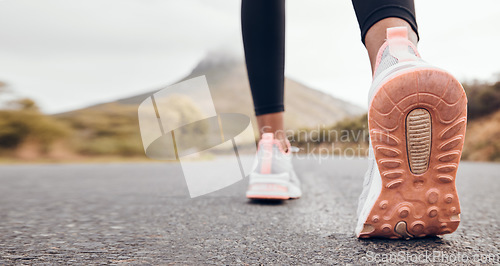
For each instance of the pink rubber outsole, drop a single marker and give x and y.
(417, 124)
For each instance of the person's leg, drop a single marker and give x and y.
(375, 17)
(263, 31)
(416, 117)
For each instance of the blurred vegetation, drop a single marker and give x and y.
(483, 129)
(483, 98)
(349, 130)
(350, 133)
(22, 122)
(112, 129)
(482, 142)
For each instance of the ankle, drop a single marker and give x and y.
(376, 36)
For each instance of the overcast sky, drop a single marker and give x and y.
(67, 54)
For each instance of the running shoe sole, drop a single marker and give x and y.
(417, 121)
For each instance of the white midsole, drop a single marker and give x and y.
(373, 194)
(282, 179)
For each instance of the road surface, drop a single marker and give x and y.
(141, 213)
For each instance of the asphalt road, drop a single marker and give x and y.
(142, 214)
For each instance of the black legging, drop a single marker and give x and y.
(263, 27)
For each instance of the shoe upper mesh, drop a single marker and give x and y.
(388, 60)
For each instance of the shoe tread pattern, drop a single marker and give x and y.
(425, 199)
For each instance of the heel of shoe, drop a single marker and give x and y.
(417, 127)
(271, 186)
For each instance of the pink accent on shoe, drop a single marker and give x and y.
(266, 143)
(269, 197)
(397, 32)
(398, 42)
(268, 136)
(379, 55)
(397, 38)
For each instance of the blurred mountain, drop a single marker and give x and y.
(227, 78)
(112, 128)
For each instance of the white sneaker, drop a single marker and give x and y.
(273, 177)
(417, 117)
